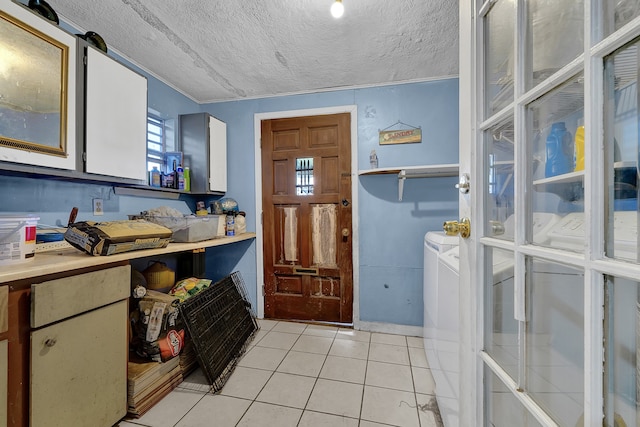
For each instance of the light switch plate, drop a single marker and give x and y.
(98, 207)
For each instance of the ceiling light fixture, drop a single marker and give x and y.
(337, 9)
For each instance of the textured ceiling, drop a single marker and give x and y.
(214, 50)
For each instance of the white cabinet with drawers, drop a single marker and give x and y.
(79, 349)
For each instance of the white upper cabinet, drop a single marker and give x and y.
(115, 118)
(204, 144)
(38, 95)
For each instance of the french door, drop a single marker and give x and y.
(549, 125)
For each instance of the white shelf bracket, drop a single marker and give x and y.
(402, 176)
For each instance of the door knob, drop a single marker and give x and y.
(463, 227)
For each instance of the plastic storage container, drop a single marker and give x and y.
(559, 151)
(189, 228)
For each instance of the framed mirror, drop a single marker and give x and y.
(34, 71)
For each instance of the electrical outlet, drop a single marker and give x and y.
(98, 207)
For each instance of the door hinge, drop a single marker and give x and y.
(263, 294)
(84, 156)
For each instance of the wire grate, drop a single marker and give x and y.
(221, 323)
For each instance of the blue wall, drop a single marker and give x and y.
(391, 232)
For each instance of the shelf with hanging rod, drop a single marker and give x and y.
(405, 172)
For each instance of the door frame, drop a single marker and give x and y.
(257, 119)
(470, 367)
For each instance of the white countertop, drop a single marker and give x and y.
(58, 261)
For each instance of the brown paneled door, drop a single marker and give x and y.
(306, 204)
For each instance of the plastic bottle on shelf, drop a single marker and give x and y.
(154, 177)
(187, 179)
(579, 149)
(230, 222)
(373, 159)
(180, 174)
(559, 151)
(174, 175)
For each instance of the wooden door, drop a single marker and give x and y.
(306, 204)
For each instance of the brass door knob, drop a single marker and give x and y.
(462, 227)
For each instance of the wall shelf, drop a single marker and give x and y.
(561, 179)
(404, 172)
(577, 176)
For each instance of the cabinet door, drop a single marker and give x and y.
(203, 140)
(217, 155)
(79, 370)
(115, 118)
(11, 74)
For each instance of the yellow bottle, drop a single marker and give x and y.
(579, 149)
(187, 179)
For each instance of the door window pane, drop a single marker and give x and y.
(500, 149)
(555, 29)
(501, 328)
(304, 176)
(502, 407)
(619, 13)
(621, 156)
(555, 339)
(499, 31)
(555, 123)
(622, 351)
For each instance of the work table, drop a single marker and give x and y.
(58, 261)
(91, 323)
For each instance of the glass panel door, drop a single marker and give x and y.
(553, 266)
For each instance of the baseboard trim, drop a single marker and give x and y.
(389, 328)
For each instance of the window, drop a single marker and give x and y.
(155, 142)
(304, 176)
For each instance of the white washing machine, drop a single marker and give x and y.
(444, 351)
(435, 244)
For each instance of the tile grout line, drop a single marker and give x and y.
(364, 381)
(268, 379)
(317, 377)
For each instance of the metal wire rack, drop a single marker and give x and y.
(221, 324)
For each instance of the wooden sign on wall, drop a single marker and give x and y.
(403, 136)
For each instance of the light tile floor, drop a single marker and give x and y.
(295, 374)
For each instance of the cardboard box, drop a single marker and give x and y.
(113, 237)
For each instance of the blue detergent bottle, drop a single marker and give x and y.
(559, 151)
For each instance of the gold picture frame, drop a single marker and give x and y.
(33, 89)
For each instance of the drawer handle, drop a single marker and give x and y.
(50, 342)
